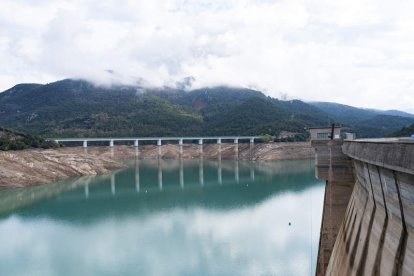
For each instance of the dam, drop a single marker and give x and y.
(368, 219)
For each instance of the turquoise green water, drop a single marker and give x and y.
(167, 218)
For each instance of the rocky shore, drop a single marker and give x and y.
(31, 167)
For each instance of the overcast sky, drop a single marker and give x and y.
(357, 52)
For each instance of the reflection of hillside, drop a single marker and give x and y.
(276, 167)
(125, 194)
(286, 167)
(75, 207)
(11, 199)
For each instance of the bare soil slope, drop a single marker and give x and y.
(29, 167)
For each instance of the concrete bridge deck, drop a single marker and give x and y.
(159, 140)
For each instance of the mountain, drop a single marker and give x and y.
(344, 113)
(77, 108)
(394, 113)
(365, 122)
(381, 125)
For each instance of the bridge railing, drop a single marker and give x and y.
(159, 140)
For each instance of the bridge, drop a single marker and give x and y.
(368, 218)
(159, 140)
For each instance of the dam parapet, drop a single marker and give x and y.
(376, 235)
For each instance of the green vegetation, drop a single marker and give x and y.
(296, 138)
(76, 108)
(404, 132)
(10, 140)
(266, 138)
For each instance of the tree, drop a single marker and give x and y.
(266, 138)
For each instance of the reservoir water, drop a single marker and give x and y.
(191, 217)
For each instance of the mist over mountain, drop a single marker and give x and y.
(77, 108)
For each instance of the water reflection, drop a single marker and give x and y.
(219, 176)
(181, 173)
(86, 190)
(201, 172)
(160, 174)
(198, 220)
(170, 175)
(137, 187)
(113, 184)
(236, 171)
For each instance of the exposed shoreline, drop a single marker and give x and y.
(32, 167)
(259, 152)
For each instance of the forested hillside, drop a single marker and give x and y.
(77, 108)
(10, 140)
(404, 132)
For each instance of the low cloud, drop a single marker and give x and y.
(353, 52)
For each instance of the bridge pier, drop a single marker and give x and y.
(200, 141)
(159, 142)
(111, 143)
(180, 142)
(136, 143)
(219, 141)
(85, 144)
(236, 148)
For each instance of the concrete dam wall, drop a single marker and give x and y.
(376, 232)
